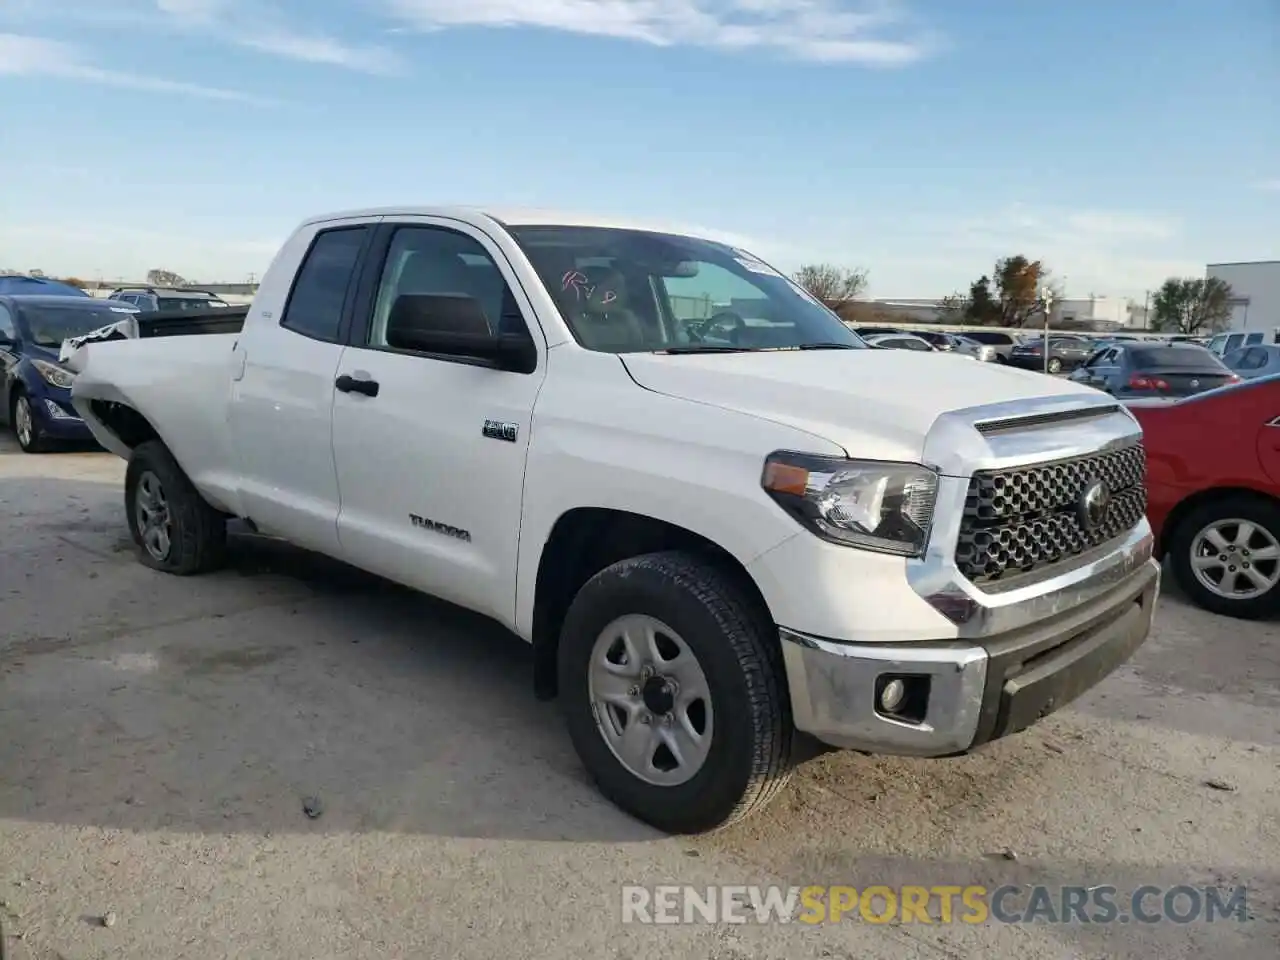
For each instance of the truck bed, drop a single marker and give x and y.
(185, 323)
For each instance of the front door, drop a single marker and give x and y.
(431, 468)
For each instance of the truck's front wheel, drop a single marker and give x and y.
(175, 529)
(674, 692)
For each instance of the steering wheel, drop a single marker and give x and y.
(724, 325)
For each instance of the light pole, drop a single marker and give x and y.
(1047, 297)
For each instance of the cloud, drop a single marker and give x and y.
(29, 56)
(261, 27)
(1107, 252)
(876, 34)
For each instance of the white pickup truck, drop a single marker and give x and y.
(729, 528)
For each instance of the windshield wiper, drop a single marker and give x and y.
(703, 348)
(828, 346)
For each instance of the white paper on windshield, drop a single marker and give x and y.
(756, 266)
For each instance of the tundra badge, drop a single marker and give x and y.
(500, 430)
(425, 523)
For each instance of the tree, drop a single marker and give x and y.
(1020, 287)
(833, 285)
(1011, 296)
(164, 278)
(74, 282)
(1192, 305)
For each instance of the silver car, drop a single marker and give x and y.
(1248, 363)
(979, 351)
(907, 341)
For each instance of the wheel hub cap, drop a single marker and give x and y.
(152, 511)
(1236, 559)
(658, 695)
(22, 420)
(651, 700)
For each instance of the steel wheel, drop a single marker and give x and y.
(651, 701)
(1236, 559)
(23, 425)
(155, 526)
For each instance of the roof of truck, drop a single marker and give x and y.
(527, 216)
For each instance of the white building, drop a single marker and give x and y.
(1256, 285)
(1096, 312)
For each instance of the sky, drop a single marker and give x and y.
(1119, 142)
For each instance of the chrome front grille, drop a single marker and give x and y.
(1026, 519)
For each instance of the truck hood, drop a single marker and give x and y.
(876, 404)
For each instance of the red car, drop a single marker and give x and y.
(1213, 487)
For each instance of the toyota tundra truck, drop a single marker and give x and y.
(730, 530)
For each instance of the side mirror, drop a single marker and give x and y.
(454, 325)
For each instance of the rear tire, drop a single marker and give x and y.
(174, 528)
(689, 608)
(1209, 551)
(1055, 365)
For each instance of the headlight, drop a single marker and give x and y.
(886, 507)
(53, 374)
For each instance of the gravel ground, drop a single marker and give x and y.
(161, 734)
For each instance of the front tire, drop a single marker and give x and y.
(1055, 365)
(1226, 556)
(25, 427)
(674, 693)
(174, 528)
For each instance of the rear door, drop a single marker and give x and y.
(282, 389)
(431, 467)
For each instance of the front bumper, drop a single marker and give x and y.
(58, 419)
(976, 691)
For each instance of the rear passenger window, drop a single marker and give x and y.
(320, 289)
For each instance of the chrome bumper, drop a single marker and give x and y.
(1022, 655)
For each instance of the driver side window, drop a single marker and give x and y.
(714, 290)
(7, 331)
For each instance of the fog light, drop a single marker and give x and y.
(891, 697)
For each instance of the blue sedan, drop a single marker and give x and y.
(36, 389)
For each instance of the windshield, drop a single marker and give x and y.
(626, 291)
(1176, 358)
(48, 326)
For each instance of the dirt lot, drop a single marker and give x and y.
(160, 735)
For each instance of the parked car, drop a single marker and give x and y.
(954, 343)
(1065, 353)
(1253, 362)
(19, 285)
(1000, 341)
(721, 550)
(979, 351)
(1224, 343)
(36, 389)
(154, 299)
(876, 331)
(1154, 369)
(940, 340)
(900, 341)
(1213, 493)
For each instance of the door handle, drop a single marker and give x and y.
(349, 384)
